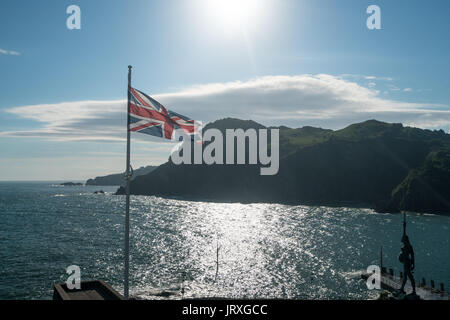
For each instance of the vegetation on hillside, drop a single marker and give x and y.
(373, 164)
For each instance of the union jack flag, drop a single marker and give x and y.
(150, 117)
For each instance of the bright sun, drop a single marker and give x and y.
(234, 15)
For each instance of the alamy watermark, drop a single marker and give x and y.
(374, 278)
(209, 149)
(74, 20)
(74, 279)
(374, 20)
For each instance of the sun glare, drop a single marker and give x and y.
(233, 15)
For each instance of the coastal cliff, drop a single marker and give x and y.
(385, 166)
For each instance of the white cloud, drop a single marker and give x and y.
(408, 90)
(359, 77)
(81, 120)
(319, 100)
(9, 52)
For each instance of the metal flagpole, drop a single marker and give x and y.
(127, 190)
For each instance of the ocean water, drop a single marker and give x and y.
(265, 250)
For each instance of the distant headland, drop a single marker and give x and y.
(118, 179)
(71, 184)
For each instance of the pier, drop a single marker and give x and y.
(392, 283)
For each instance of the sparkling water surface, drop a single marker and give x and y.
(265, 250)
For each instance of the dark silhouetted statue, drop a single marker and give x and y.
(406, 257)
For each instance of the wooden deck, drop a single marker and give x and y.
(392, 283)
(90, 290)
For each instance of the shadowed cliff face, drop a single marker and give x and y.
(359, 165)
(427, 188)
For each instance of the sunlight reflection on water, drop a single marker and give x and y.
(266, 250)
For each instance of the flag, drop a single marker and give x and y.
(150, 117)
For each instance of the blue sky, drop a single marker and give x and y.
(310, 62)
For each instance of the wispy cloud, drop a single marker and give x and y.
(80, 120)
(365, 77)
(378, 78)
(9, 52)
(319, 100)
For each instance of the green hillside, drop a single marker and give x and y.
(371, 164)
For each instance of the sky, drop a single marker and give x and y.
(291, 62)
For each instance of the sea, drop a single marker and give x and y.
(210, 249)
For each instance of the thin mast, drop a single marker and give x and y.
(127, 191)
(404, 224)
(381, 258)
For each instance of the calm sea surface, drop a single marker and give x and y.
(266, 250)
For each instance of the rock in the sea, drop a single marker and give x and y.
(71, 184)
(120, 191)
(99, 192)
